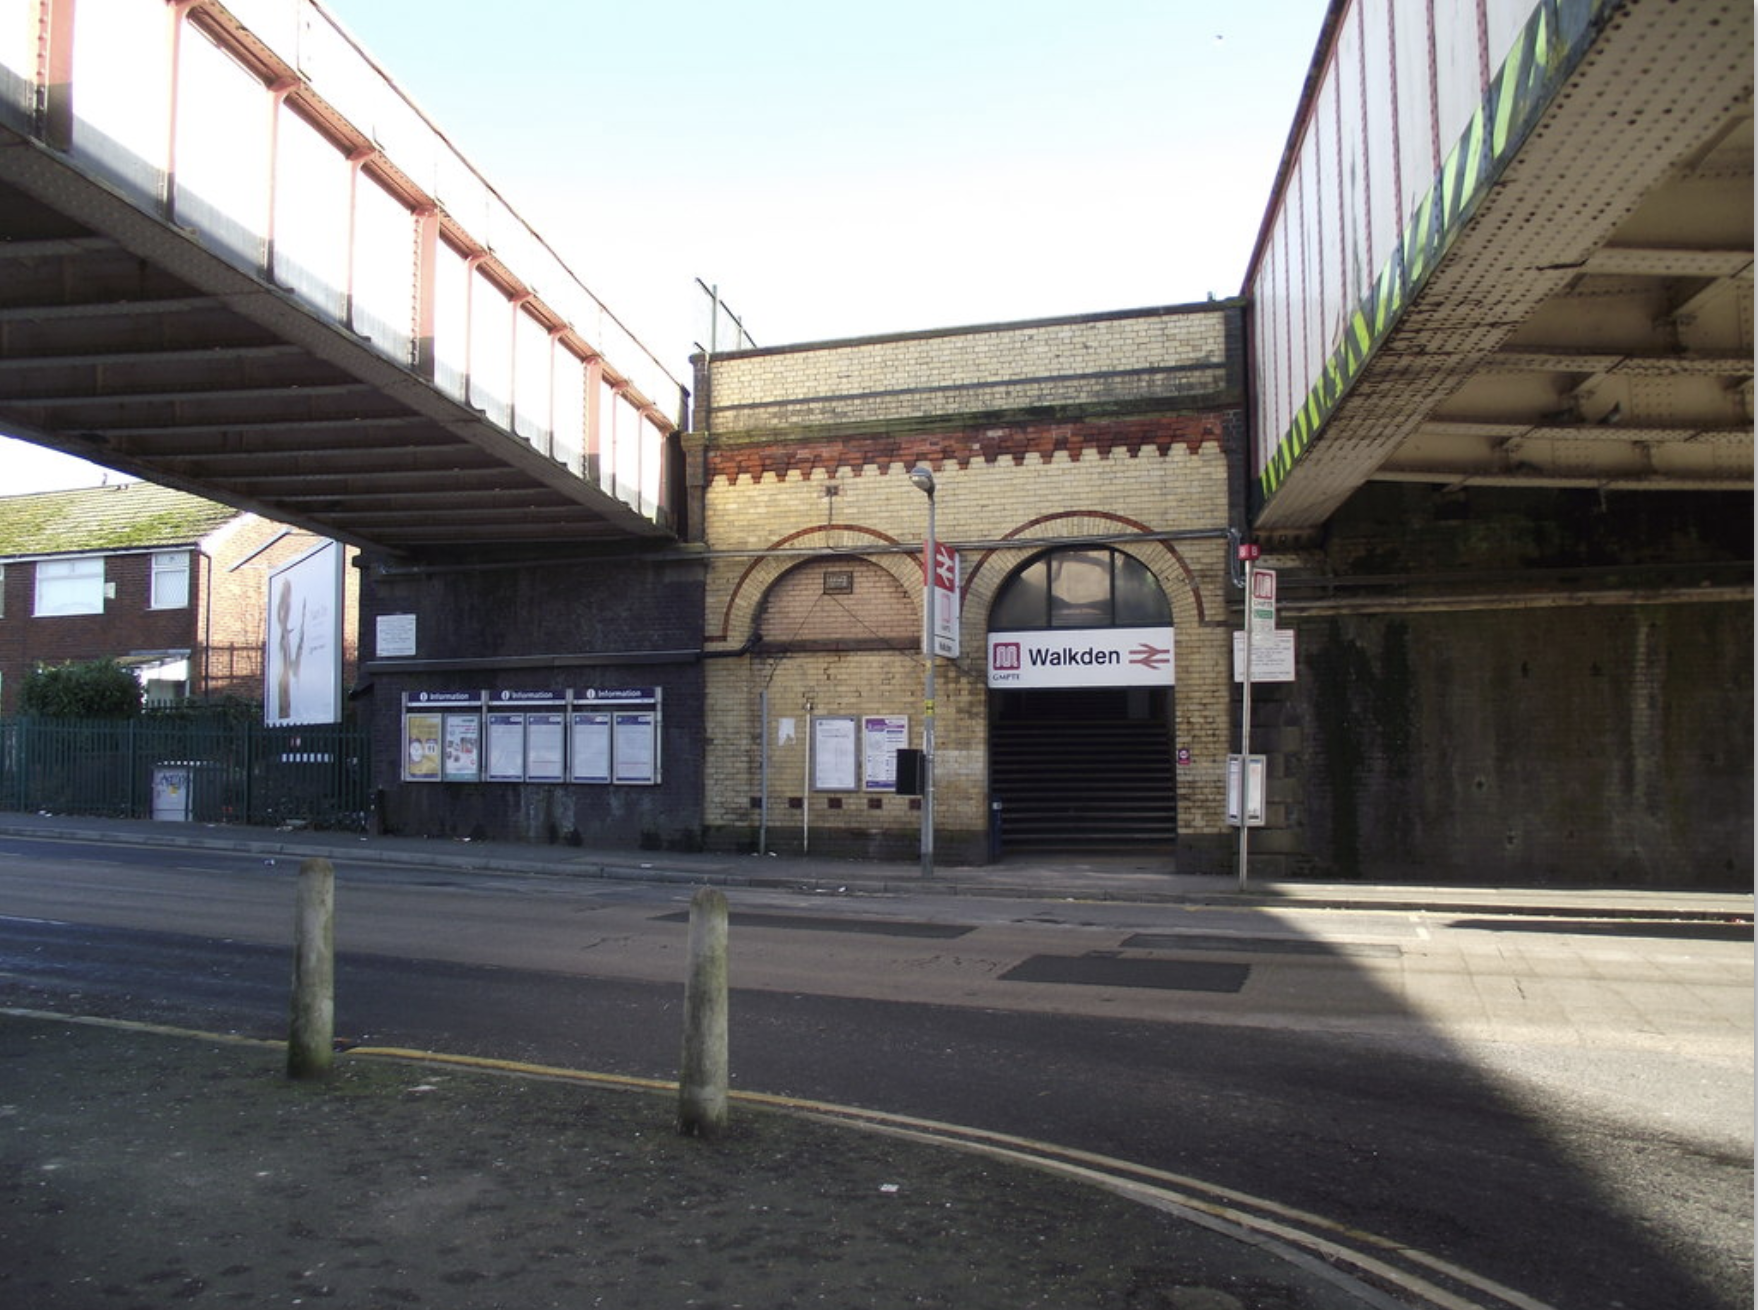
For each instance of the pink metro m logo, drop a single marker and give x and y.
(1004, 655)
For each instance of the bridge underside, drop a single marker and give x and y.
(1592, 324)
(124, 341)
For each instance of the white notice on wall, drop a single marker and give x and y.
(396, 636)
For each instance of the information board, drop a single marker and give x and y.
(597, 735)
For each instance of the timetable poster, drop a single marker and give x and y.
(591, 733)
(545, 739)
(506, 748)
(833, 754)
(636, 752)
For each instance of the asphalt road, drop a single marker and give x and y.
(1295, 1057)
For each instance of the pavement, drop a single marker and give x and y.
(144, 1166)
(1144, 878)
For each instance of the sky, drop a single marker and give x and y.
(841, 169)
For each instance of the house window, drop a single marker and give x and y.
(70, 586)
(170, 580)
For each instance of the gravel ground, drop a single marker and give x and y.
(148, 1170)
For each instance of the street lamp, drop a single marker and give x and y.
(922, 478)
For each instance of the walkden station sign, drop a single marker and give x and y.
(1081, 657)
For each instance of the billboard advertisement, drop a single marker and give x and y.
(303, 662)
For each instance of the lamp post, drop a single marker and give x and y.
(922, 478)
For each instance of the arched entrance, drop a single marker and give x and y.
(1080, 704)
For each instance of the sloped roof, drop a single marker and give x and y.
(128, 516)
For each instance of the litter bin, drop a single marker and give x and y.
(173, 792)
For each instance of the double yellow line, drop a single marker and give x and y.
(1361, 1262)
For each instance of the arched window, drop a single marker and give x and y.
(1085, 587)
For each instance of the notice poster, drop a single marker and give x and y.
(882, 736)
(545, 740)
(463, 757)
(635, 746)
(1272, 656)
(421, 747)
(591, 753)
(506, 748)
(833, 754)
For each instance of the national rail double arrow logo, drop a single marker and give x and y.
(1149, 656)
(944, 577)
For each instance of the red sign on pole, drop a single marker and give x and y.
(943, 599)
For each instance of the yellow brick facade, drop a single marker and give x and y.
(784, 506)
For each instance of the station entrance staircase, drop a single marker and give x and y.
(1083, 770)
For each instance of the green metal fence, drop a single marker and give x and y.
(204, 772)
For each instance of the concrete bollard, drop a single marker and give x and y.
(702, 1079)
(311, 1034)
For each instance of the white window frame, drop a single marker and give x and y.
(170, 570)
(74, 586)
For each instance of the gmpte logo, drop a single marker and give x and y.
(1005, 656)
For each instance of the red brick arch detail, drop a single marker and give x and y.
(781, 543)
(1127, 524)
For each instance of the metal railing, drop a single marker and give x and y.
(190, 771)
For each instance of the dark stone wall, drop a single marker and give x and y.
(542, 625)
(1608, 746)
(1523, 690)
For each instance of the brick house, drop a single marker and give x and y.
(172, 586)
